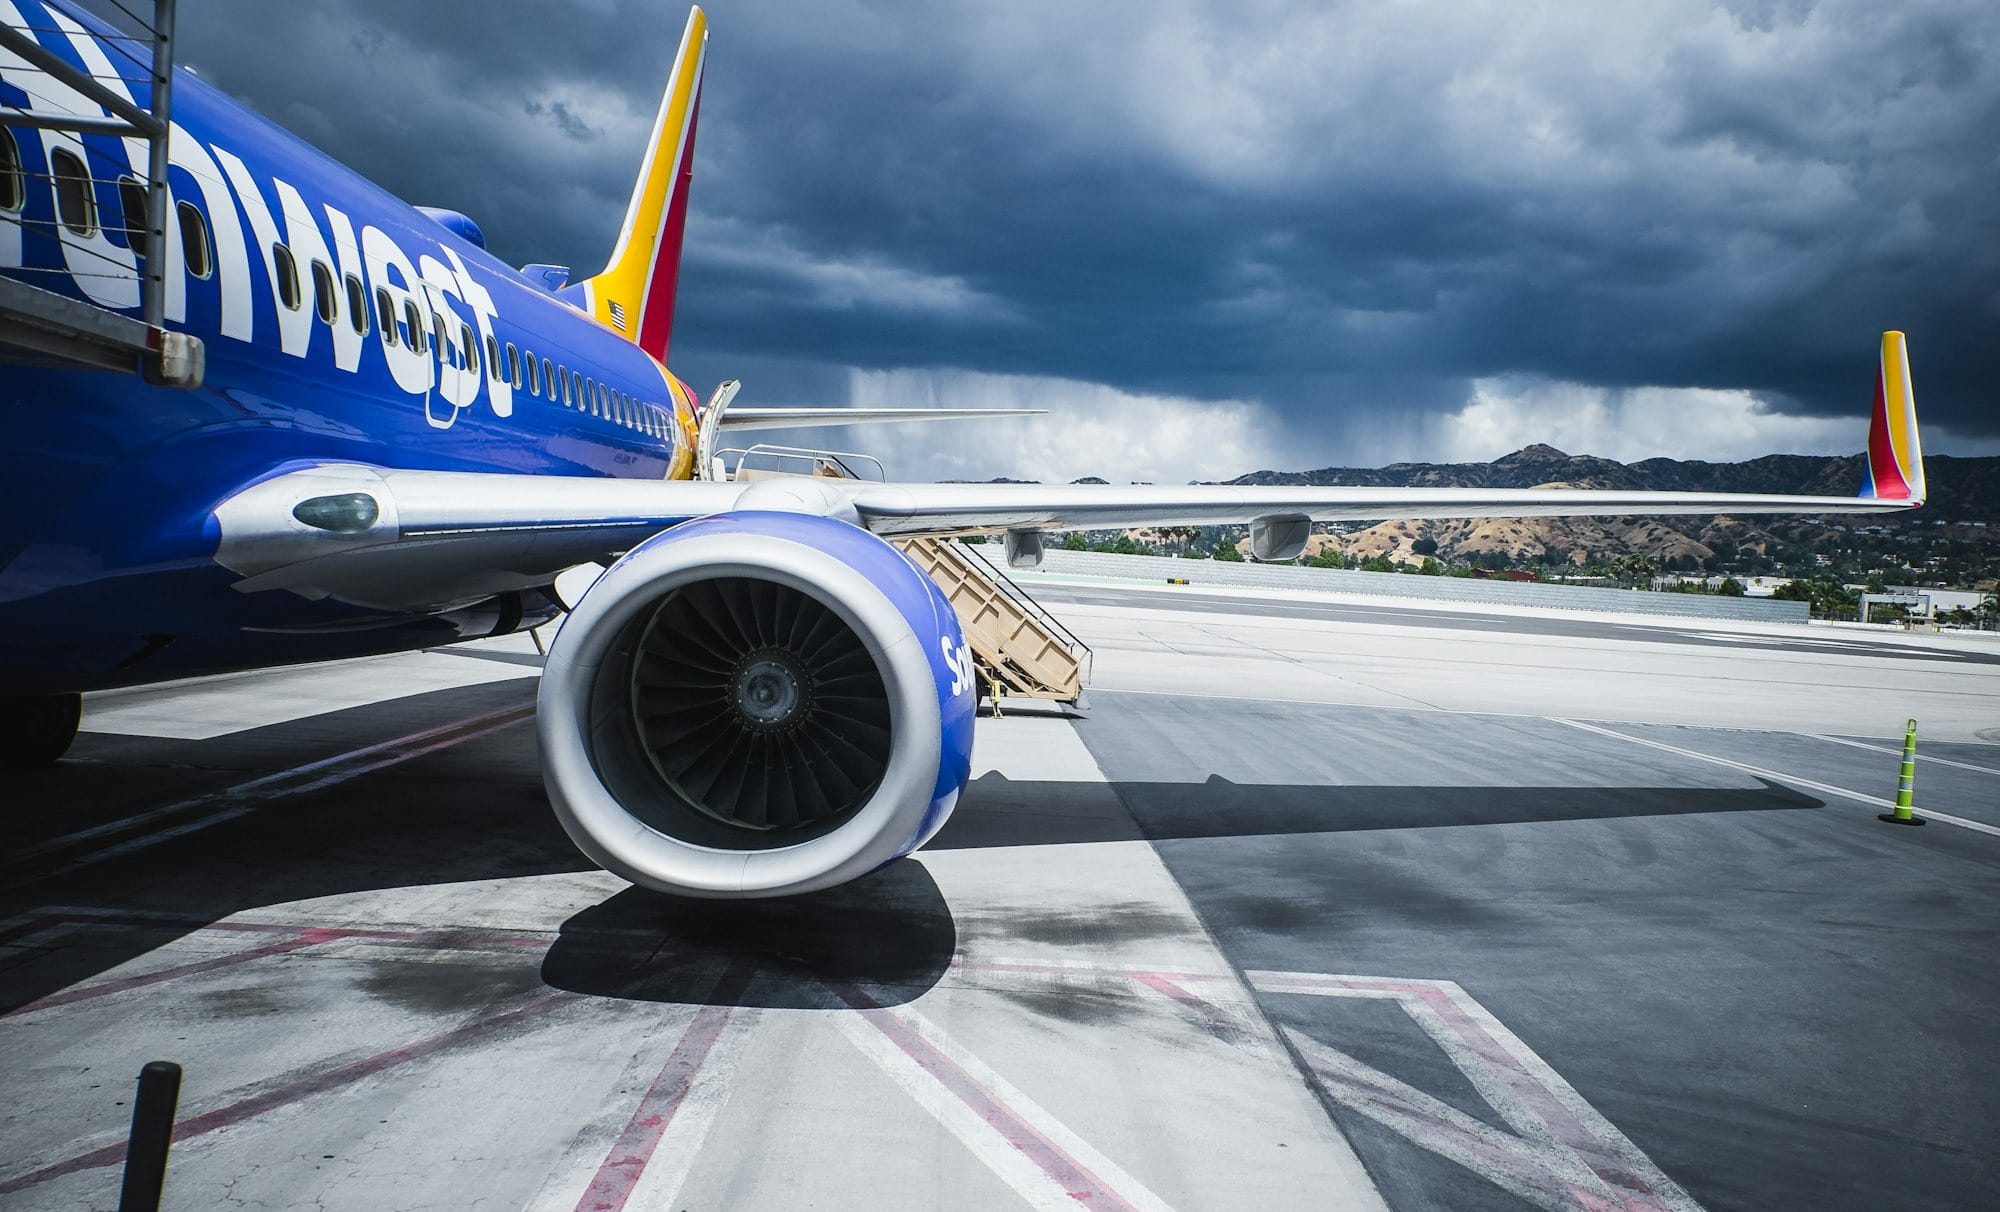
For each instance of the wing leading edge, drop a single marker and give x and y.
(425, 539)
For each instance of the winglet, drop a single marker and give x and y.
(634, 295)
(1895, 452)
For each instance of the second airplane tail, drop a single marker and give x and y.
(634, 294)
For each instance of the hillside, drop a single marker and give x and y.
(1962, 491)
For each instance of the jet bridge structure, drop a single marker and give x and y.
(40, 323)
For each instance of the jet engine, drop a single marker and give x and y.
(756, 704)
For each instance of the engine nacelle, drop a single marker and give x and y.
(756, 704)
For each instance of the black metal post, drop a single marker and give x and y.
(153, 291)
(152, 1131)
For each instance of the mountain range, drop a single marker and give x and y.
(1962, 490)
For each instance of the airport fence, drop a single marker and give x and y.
(1225, 573)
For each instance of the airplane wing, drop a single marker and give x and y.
(792, 418)
(403, 540)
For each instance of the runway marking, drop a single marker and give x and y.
(245, 798)
(296, 937)
(1048, 1165)
(631, 1156)
(1779, 776)
(70, 997)
(1922, 757)
(207, 708)
(263, 1098)
(1561, 1154)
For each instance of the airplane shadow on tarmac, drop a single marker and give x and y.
(999, 811)
(890, 933)
(478, 813)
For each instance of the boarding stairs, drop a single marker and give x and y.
(1019, 649)
(45, 327)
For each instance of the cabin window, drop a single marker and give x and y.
(419, 339)
(514, 364)
(385, 315)
(194, 240)
(357, 303)
(326, 296)
(532, 378)
(494, 366)
(471, 344)
(13, 184)
(548, 379)
(287, 271)
(437, 332)
(132, 200)
(593, 397)
(76, 203)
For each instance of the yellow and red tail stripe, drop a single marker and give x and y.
(634, 295)
(1895, 452)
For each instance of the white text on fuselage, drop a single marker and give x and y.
(435, 292)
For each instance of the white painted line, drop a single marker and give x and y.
(681, 1144)
(1031, 1167)
(1561, 1155)
(1781, 777)
(206, 708)
(1021, 1175)
(1921, 756)
(1545, 1175)
(571, 1175)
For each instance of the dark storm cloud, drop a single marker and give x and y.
(1299, 204)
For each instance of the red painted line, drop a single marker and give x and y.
(1494, 1159)
(258, 784)
(299, 1090)
(616, 1179)
(31, 925)
(1527, 1087)
(1531, 1091)
(70, 997)
(1053, 1160)
(1215, 1015)
(247, 797)
(448, 938)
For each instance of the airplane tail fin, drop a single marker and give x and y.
(1895, 452)
(634, 294)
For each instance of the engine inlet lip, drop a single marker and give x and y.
(659, 859)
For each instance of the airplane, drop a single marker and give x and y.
(399, 441)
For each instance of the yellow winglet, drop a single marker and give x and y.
(1895, 450)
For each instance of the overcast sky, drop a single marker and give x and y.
(1214, 238)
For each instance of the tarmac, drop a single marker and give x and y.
(1319, 904)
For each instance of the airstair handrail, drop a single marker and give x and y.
(1042, 615)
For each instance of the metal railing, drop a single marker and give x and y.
(800, 461)
(1086, 658)
(124, 119)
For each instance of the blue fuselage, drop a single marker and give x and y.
(107, 483)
